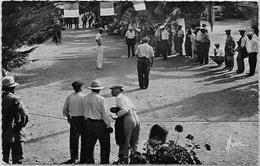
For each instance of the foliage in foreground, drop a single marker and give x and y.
(157, 152)
(27, 24)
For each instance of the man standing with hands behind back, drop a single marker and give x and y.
(145, 56)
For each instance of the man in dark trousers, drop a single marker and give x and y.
(145, 56)
(229, 50)
(179, 40)
(73, 110)
(252, 50)
(14, 119)
(242, 53)
(97, 125)
(129, 127)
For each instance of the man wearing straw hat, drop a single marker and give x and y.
(14, 119)
(73, 110)
(97, 125)
(130, 41)
(127, 126)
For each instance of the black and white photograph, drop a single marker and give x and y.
(130, 82)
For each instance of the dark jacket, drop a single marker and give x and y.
(14, 118)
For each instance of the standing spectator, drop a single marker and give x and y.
(14, 119)
(84, 21)
(130, 125)
(229, 50)
(73, 110)
(179, 40)
(204, 43)
(90, 20)
(157, 41)
(97, 125)
(252, 50)
(100, 48)
(149, 32)
(76, 23)
(188, 50)
(193, 45)
(130, 41)
(164, 42)
(145, 56)
(242, 52)
(173, 35)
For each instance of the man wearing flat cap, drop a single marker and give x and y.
(14, 119)
(229, 50)
(97, 125)
(130, 41)
(100, 48)
(73, 110)
(145, 56)
(129, 124)
(242, 52)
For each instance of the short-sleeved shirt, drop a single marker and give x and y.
(124, 103)
(144, 50)
(165, 35)
(130, 35)
(251, 45)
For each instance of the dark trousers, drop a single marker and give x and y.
(84, 25)
(164, 48)
(178, 44)
(96, 130)
(240, 63)
(143, 68)
(252, 59)
(131, 46)
(17, 151)
(76, 131)
(203, 50)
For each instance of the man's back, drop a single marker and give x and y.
(93, 105)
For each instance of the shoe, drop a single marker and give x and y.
(238, 72)
(70, 161)
(249, 75)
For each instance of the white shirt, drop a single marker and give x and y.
(73, 105)
(144, 50)
(193, 38)
(251, 45)
(199, 36)
(165, 35)
(94, 108)
(219, 52)
(98, 37)
(130, 35)
(124, 103)
(243, 41)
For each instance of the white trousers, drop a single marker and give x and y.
(99, 57)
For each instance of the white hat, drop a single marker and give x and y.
(8, 82)
(95, 84)
(130, 27)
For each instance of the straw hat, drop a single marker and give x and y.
(95, 84)
(8, 82)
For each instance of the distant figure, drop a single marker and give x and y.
(218, 55)
(73, 110)
(84, 21)
(252, 50)
(193, 45)
(242, 52)
(203, 47)
(99, 49)
(145, 56)
(130, 41)
(179, 40)
(164, 42)
(188, 44)
(229, 50)
(14, 119)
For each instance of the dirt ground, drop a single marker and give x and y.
(211, 103)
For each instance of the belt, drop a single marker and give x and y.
(95, 120)
(142, 58)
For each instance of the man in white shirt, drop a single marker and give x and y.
(73, 110)
(99, 48)
(252, 50)
(179, 40)
(97, 125)
(145, 56)
(130, 41)
(242, 53)
(129, 127)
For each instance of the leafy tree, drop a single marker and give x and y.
(27, 24)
